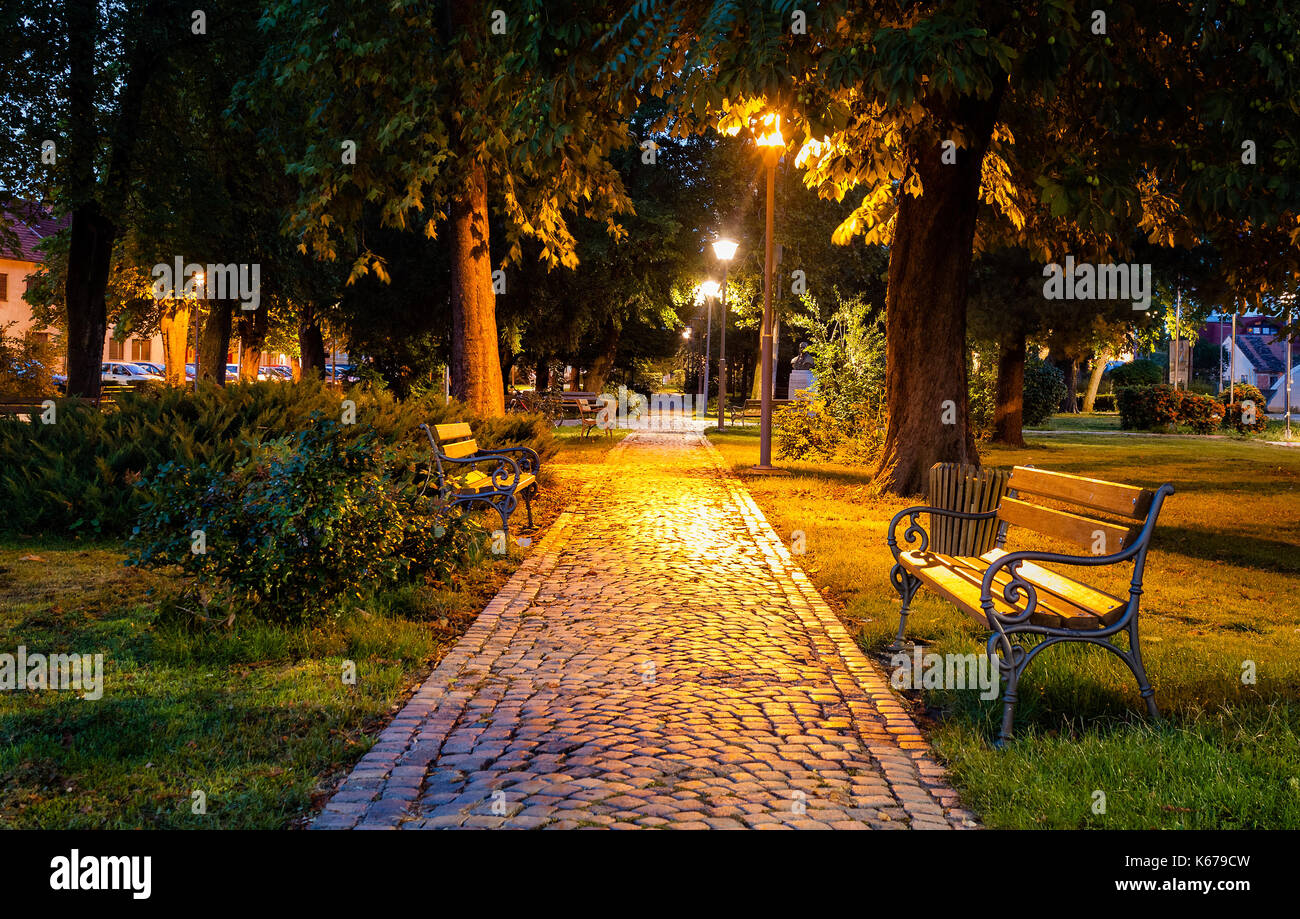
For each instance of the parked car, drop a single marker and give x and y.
(159, 369)
(126, 373)
(276, 372)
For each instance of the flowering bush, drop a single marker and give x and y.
(1146, 408)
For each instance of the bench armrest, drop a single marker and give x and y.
(501, 479)
(915, 530)
(529, 461)
(1018, 587)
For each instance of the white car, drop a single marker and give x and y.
(126, 373)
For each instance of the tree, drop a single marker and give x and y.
(929, 106)
(432, 115)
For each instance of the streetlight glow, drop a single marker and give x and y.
(770, 128)
(725, 249)
(709, 289)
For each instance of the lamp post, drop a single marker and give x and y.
(725, 250)
(198, 281)
(707, 291)
(772, 145)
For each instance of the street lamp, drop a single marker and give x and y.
(725, 250)
(768, 137)
(707, 291)
(198, 283)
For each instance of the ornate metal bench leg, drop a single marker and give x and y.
(1134, 661)
(1011, 661)
(906, 585)
(528, 505)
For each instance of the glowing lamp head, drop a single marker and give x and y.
(768, 131)
(686, 333)
(709, 289)
(725, 249)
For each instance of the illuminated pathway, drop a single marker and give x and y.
(658, 661)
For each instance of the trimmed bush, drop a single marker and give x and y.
(1160, 407)
(1137, 373)
(80, 473)
(298, 524)
(1044, 390)
(1203, 414)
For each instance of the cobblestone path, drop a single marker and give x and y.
(659, 660)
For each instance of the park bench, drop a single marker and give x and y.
(500, 485)
(1012, 595)
(753, 408)
(588, 406)
(32, 408)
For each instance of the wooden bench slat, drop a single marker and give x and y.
(1064, 525)
(452, 431)
(960, 580)
(1111, 497)
(460, 450)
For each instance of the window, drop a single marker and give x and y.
(4, 287)
(114, 349)
(141, 350)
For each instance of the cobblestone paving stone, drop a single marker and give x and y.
(659, 660)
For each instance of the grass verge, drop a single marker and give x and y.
(1222, 584)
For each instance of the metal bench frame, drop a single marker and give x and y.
(506, 472)
(1012, 656)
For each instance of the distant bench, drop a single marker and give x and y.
(588, 406)
(753, 408)
(108, 394)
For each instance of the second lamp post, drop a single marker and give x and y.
(725, 250)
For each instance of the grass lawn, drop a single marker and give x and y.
(1222, 589)
(1092, 421)
(257, 716)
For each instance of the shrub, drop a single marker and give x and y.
(298, 524)
(25, 363)
(1242, 392)
(1105, 402)
(1157, 407)
(1137, 373)
(1203, 414)
(807, 431)
(1044, 390)
(78, 473)
(1145, 408)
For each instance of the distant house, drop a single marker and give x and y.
(1257, 357)
(33, 224)
(1277, 398)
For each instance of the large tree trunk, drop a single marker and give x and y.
(214, 341)
(925, 308)
(311, 343)
(252, 339)
(475, 367)
(604, 362)
(1099, 362)
(89, 255)
(175, 327)
(542, 374)
(1009, 399)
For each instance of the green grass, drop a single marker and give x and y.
(1222, 587)
(256, 716)
(1092, 421)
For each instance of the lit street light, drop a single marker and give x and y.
(725, 250)
(772, 145)
(707, 291)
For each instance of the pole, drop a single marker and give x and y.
(765, 417)
(196, 345)
(1232, 380)
(1287, 381)
(722, 352)
(1178, 324)
(708, 350)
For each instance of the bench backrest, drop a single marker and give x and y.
(1103, 517)
(454, 441)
